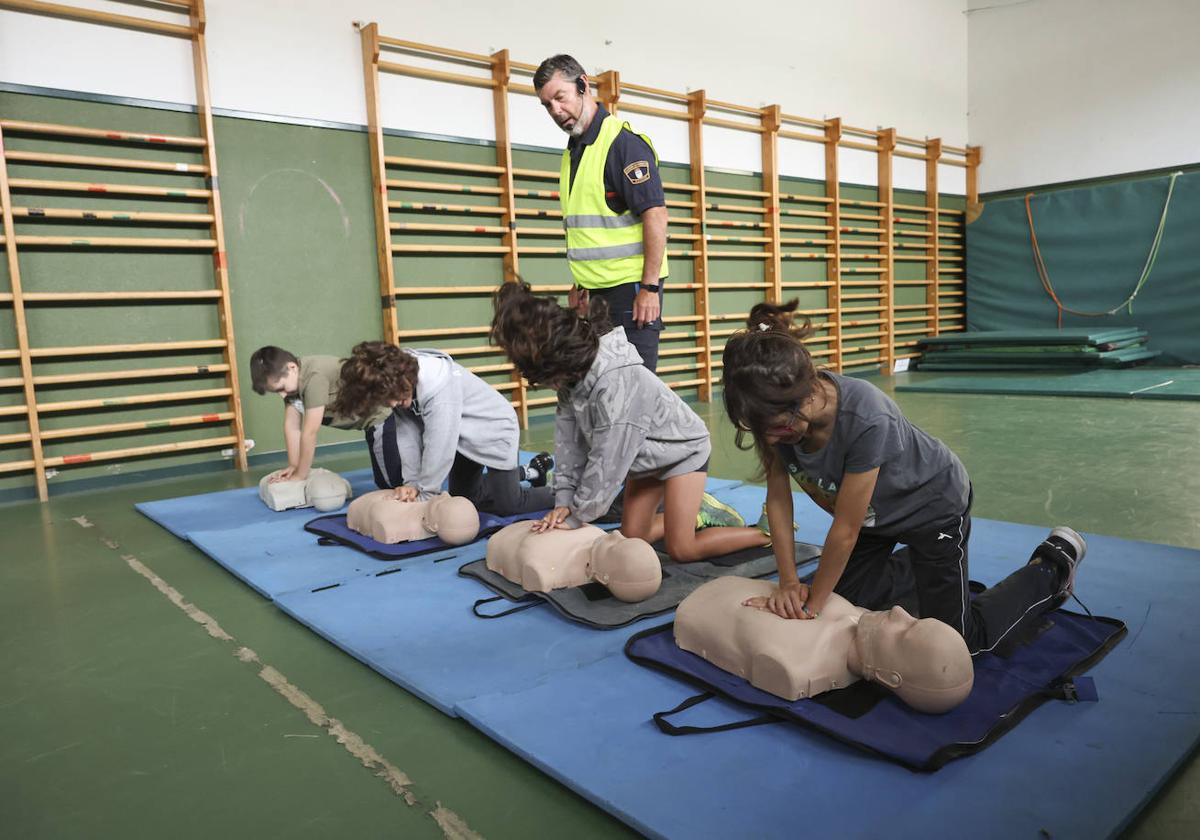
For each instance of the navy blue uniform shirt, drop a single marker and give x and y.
(631, 179)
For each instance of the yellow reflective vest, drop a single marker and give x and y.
(604, 248)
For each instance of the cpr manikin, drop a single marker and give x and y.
(323, 490)
(540, 562)
(386, 519)
(925, 663)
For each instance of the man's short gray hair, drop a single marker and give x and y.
(564, 64)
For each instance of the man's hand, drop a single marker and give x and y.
(405, 494)
(554, 519)
(645, 307)
(787, 601)
(284, 474)
(579, 300)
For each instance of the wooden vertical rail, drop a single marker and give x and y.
(383, 231)
(933, 153)
(18, 304)
(833, 265)
(973, 160)
(887, 280)
(220, 258)
(697, 105)
(608, 90)
(502, 73)
(770, 185)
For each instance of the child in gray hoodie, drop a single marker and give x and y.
(616, 423)
(445, 423)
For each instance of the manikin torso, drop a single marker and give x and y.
(924, 662)
(385, 519)
(560, 558)
(763, 648)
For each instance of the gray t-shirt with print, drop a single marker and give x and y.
(921, 482)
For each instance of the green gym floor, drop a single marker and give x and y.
(133, 706)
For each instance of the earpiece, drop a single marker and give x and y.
(581, 86)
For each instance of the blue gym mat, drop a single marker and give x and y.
(1077, 770)
(228, 509)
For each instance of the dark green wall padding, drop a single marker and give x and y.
(1094, 241)
(300, 236)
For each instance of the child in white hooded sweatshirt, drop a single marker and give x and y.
(446, 424)
(617, 423)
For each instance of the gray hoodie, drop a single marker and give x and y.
(620, 420)
(453, 411)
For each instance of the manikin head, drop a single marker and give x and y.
(326, 491)
(453, 518)
(925, 663)
(629, 568)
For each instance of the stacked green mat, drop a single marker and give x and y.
(1050, 350)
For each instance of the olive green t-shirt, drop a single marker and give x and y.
(318, 388)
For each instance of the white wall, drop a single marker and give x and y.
(1061, 90)
(871, 62)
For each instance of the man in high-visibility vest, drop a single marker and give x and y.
(613, 207)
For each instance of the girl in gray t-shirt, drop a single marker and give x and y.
(884, 481)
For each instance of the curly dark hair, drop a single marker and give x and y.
(768, 372)
(375, 373)
(548, 343)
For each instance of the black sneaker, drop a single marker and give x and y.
(542, 462)
(1068, 546)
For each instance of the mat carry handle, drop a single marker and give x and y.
(668, 728)
(522, 604)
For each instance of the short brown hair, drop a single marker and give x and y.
(267, 363)
(375, 373)
(562, 63)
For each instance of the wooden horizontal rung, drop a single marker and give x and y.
(736, 208)
(859, 202)
(19, 437)
(486, 369)
(811, 199)
(730, 191)
(137, 399)
(476, 350)
(537, 174)
(916, 208)
(911, 258)
(113, 349)
(429, 228)
(651, 110)
(435, 75)
(140, 24)
(443, 165)
(37, 185)
(111, 215)
(680, 351)
(55, 130)
(722, 238)
(135, 426)
(154, 243)
(852, 256)
(13, 410)
(140, 373)
(792, 241)
(48, 159)
(910, 307)
(98, 297)
(410, 291)
(862, 217)
(431, 331)
(911, 283)
(439, 186)
(139, 451)
(449, 249)
(876, 296)
(784, 226)
(946, 211)
(15, 466)
(740, 255)
(447, 208)
(733, 224)
(807, 214)
(804, 255)
(809, 284)
(720, 287)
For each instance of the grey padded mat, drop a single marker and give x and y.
(593, 605)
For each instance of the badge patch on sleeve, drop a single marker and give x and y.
(638, 172)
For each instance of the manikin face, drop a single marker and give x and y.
(925, 662)
(564, 103)
(287, 384)
(629, 568)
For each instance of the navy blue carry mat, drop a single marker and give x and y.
(333, 530)
(864, 715)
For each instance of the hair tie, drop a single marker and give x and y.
(764, 326)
